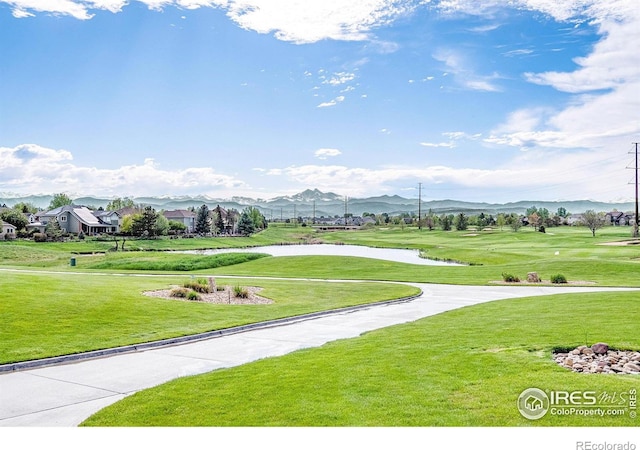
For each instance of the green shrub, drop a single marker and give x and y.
(240, 292)
(558, 278)
(180, 292)
(185, 263)
(510, 278)
(193, 295)
(40, 237)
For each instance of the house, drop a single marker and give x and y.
(109, 217)
(8, 230)
(230, 219)
(617, 218)
(73, 219)
(184, 216)
(575, 219)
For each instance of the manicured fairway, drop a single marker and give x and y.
(570, 251)
(462, 368)
(55, 314)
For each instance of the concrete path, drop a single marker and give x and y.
(67, 394)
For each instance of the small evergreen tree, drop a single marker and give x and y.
(144, 224)
(461, 222)
(219, 222)
(203, 223)
(445, 221)
(53, 230)
(246, 226)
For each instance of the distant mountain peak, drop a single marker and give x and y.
(310, 195)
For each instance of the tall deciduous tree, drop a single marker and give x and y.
(162, 225)
(15, 218)
(593, 220)
(259, 222)
(25, 208)
(514, 221)
(120, 203)
(59, 200)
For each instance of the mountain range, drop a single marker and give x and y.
(313, 202)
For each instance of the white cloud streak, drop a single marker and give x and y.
(32, 168)
(458, 65)
(325, 153)
(333, 102)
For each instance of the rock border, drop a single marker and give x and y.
(599, 358)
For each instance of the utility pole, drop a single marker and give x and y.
(419, 206)
(635, 219)
(346, 209)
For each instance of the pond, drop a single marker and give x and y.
(388, 254)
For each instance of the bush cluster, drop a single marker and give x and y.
(240, 292)
(180, 292)
(183, 292)
(200, 285)
(510, 278)
(558, 278)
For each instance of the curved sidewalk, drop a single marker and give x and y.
(65, 395)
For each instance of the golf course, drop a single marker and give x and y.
(464, 367)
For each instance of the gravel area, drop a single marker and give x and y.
(225, 297)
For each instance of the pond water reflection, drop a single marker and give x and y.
(388, 254)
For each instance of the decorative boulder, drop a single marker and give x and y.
(600, 348)
(532, 277)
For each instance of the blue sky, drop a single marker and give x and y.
(538, 100)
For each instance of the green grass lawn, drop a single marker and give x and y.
(571, 251)
(46, 315)
(466, 367)
(462, 368)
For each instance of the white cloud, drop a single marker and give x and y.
(454, 137)
(306, 21)
(324, 153)
(333, 102)
(32, 168)
(542, 175)
(603, 113)
(339, 78)
(458, 65)
(26, 8)
(612, 62)
(439, 144)
(20, 13)
(298, 21)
